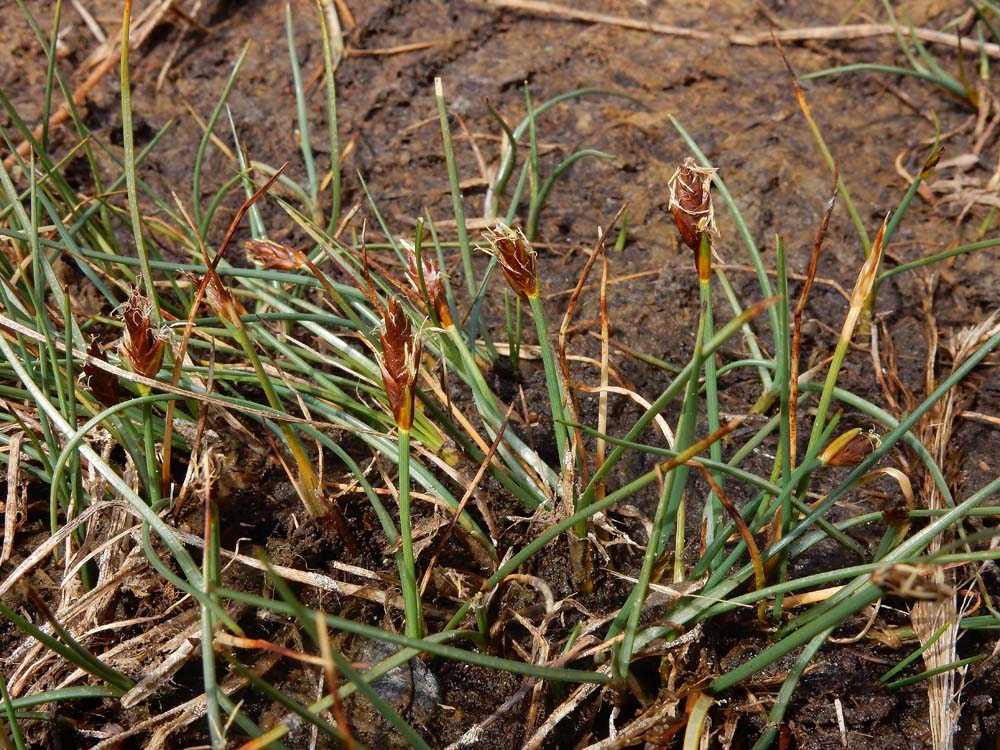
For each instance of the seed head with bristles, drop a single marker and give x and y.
(142, 346)
(691, 202)
(516, 257)
(433, 283)
(274, 255)
(850, 448)
(223, 302)
(399, 362)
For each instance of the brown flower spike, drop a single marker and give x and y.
(434, 284)
(141, 348)
(274, 256)
(400, 362)
(223, 302)
(850, 448)
(691, 203)
(517, 259)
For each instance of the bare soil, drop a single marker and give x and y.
(738, 103)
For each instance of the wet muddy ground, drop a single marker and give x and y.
(737, 102)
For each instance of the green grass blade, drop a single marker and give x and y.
(949, 84)
(128, 143)
(302, 115)
(784, 697)
(431, 645)
(507, 160)
(538, 201)
(9, 710)
(938, 257)
(896, 684)
(202, 219)
(50, 73)
(456, 190)
(330, 67)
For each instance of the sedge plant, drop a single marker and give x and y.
(365, 355)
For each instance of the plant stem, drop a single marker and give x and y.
(210, 577)
(128, 144)
(306, 483)
(330, 65)
(456, 190)
(713, 506)
(303, 118)
(552, 379)
(152, 465)
(492, 416)
(408, 572)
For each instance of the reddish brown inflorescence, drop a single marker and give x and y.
(850, 448)
(400, 362)
(223, 302)
(433, 283)
(273, 255)
(516, 257)
(141, 348)
(691, 203)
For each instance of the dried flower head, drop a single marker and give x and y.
(223, 302)
(141, 347)
(433, 283)
(399, 362)
(274, 255)
(850, 448)
(517, 259)
(691, 202)
(103, 385)
(912, 582)
(898, 515)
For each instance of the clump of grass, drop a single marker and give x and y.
(923, 64)
(357, 352)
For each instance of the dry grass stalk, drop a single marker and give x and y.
(943, 689)
(751, 39)
(744, 531)
(800, 306)
(575, 471)
(163, 725)
(45, 549)
(330, 672)
(936, 431)
(100, 61)
(600, 449)
(15, 509)
(545, 8)
(371, 593)
(121, 565)
(861, 31)
(962, 179)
